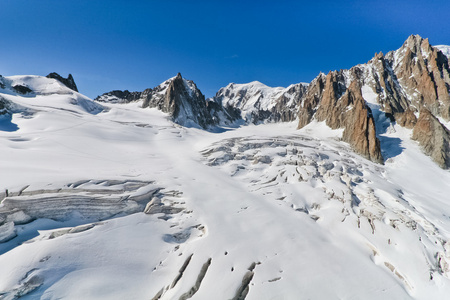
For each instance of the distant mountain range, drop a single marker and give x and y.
(408, 86)
(334, 189)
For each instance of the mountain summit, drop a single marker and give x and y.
(395, 87)
(363, 101)
(320, 191)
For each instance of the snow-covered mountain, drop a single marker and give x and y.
(257, 102)
(444, 49)
(408, 87)
(114, 199)
(178, 97)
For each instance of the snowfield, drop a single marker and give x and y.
(112, 201)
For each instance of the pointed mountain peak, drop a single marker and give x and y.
(178, 76)
(69, 81)
(417, 44)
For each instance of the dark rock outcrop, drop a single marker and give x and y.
(433, 137)
(183, 101)
(69, 81)
(178, 97)
(287, 105)
(3, 106)
(117, 96)
(21, 89)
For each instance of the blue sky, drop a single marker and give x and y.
(134, 45)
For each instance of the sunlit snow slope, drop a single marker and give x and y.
(113, 201)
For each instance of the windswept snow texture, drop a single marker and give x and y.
(115, 202)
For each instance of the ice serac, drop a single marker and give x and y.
(433, 137)
(69, 81)
(342, 107)
(256, 102)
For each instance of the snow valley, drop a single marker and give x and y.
(336, 189)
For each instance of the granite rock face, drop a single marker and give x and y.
(399, 84)
(178, 97)
(434, 138)
(328, 99)
(183, 101)
(69, 81)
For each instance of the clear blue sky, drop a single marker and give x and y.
(135, 45)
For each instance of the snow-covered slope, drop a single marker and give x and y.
(444, 49)
(178, 97)
(258, 103)
(114, 201)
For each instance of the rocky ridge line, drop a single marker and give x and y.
(404, 81)
(69, 81)
(413, 78)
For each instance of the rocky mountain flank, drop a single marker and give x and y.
(409, 83)
(68, 82)
(242, 103)
(397, 87)
(178, 97)
(258, 103)
(328, 99)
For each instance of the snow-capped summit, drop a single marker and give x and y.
(113, 200)
(257, 102)
(27, 94)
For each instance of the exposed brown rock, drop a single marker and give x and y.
(390, 96)
(360, 131)
(286, 109)
(424, 69)
(311, 100)
(328, 100)
(433, 137)
(406, 119)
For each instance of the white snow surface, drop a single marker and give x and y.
(251, 97)
(317, 220)
(444, 49)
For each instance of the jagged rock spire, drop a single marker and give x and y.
(69, 81)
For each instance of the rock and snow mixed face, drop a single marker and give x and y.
(396, 87)
(113, 201)
(259, 103)
(178, 97)
(127, 204)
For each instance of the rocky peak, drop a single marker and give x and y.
(185, 103)
(423, 73)
(401, 83)
(328, 99)
(117, 96)
(258, 102)
(69, 81)
(178, 97)
(433, 137)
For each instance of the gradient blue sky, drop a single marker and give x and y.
(134, 45)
